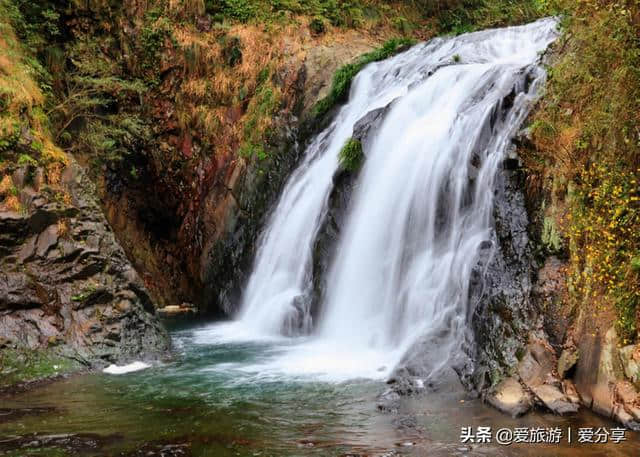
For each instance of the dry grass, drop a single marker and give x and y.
(222, 103)
(6, 184)
(16, 81)
(186, 8)
(11, 203)
(63, 228)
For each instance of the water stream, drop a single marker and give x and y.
(207, 403)
(421, 210)
(274, 382)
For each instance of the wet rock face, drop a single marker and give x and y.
(232, 226)
(501, 285)
(344, 182)
(65, 283)
(504, 316)
(547, 293)
(327, 240)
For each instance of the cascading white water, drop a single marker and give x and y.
(281, 273)
(421, 209)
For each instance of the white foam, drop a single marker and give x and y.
(301, 358)
(135, 366)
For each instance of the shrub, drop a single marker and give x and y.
(351, 155)
(26, 159)
(152, 39)
(232, 51)
(317, 26)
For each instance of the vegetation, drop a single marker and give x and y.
(587, 143)
(339, 13)
(199, 80)
(24, 125)
(351, 155)
(461, 16)
(98, 80)
(344, 76)
(259, 117)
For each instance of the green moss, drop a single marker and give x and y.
(551, 238)
(26, 159)
(344, 76)
(351, 155)
(257, 128)
(23, 365)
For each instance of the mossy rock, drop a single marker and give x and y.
(26, 365)
(351, 155)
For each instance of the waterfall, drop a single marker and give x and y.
(421, 210)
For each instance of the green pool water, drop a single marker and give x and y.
(206, 402)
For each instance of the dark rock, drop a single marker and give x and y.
(18, 291)
(47, 240)
(389, 401)
(344, 182)
(504, 313)
(230, 238)
(66, 294)
(364, 129)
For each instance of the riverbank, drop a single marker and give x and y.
(210, 401)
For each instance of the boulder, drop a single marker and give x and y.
(537, 372)
(567, 361)
(599, 378)
(630, 359)
(511, 398)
